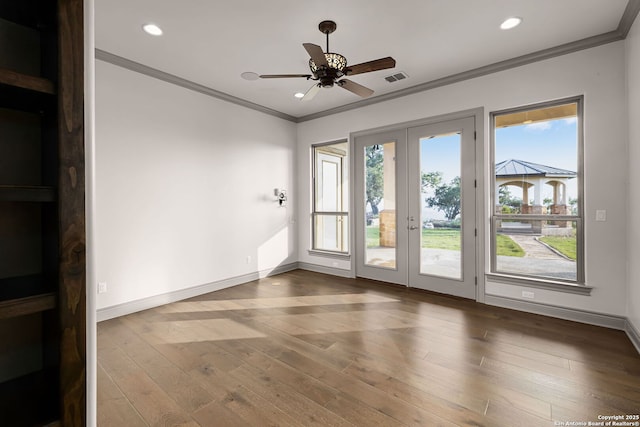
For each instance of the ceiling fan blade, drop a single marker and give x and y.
(283, 76)
(367, 67)
(356, 88)
(313, 90)
(316, 53)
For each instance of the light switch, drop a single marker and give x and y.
(601, 215)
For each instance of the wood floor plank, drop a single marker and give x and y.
(360, 390)
(307, 349)
(287, 399)
(216, 414)
(114, 409)
(152, 403)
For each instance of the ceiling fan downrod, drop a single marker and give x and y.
(327, 27)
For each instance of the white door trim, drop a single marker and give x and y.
(482, 179)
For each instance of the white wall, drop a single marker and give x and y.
(596, 73)
(184, 188)
(633, 232)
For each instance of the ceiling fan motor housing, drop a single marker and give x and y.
(328, 75)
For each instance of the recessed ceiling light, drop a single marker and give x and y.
(299, 95)
(510, 23)
(152, 29)
(249, 75)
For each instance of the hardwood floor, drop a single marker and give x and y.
(305, 349)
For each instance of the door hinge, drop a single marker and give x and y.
(476, 280)
(475, 135)
(475, 232)
(475, 183)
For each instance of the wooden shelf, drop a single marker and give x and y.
(27, 193)
(36, 84)
(27, 305)
(23, 81)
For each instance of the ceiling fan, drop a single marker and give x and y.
(329, 68)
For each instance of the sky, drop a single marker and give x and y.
(550, 143)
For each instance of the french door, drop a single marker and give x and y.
(415, 206)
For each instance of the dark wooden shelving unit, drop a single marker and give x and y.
(27, 193)
(42, 224)
(25, 81)
(37, 303)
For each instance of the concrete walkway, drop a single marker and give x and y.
(533, 248)
(539, 260)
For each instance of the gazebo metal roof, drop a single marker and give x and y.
(520, 168)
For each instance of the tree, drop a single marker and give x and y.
(573, 203)
(375, 176)
(431, 180)
(446, 197)
(509, 203)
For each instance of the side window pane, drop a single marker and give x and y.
(537, 224)
(330, 216)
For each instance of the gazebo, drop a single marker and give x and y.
(528, 175)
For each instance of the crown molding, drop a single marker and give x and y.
(120, 61)
(519, 61)
(628, 17)
(626, 21)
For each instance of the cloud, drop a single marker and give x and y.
(570, 120)
(539, 126)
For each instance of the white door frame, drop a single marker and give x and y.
(481, 208)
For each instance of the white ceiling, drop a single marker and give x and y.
(212, 42)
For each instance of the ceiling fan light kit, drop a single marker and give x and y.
(329, 68)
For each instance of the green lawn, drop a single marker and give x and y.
(448, 238)
(373, 237)
(441, 238)
(506, 246)
(565, 245)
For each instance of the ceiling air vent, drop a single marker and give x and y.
(395, 77)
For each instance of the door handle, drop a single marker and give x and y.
(413, 227)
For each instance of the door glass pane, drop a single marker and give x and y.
(441, 210)
(380, 205)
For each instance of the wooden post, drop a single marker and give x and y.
(72, 279)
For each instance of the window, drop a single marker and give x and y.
(330, 198)
(537, 222)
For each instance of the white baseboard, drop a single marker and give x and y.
(162, 299)
(633, 334)
(325, 270)
(605, 320)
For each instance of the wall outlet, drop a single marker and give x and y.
(601, 215)
(528, 294)
(102, 287)
(248, 259)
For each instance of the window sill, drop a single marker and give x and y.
(327, 254)
(550, 285)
